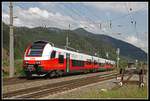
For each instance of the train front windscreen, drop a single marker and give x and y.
(36, 49)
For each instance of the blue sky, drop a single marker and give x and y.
(88, 15)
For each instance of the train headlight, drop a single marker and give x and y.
(38, 62)
(26, 62)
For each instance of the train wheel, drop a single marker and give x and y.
(59, 73)
(52, 74)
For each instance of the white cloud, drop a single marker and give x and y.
(38, 12)
(139, 42)
(5, 17)
(35, 16)
(132, 39)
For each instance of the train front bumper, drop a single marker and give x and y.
(34, 69)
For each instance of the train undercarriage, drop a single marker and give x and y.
(37, 71)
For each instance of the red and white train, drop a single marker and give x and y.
(43, 59)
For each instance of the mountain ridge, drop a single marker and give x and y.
(79, 39)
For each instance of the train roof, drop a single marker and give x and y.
(98, 59)
(89, 56)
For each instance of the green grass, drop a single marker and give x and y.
(127, 91)
(17, 66)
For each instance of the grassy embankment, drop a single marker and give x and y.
(17, 65)
(127, 91)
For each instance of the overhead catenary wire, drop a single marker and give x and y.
(133, 21)
(100, 23)
(126, 6)
(92, 14)
(81, 16)
(75, 11)
(93, 22)
(89, 27)
(114, 19)
(88, 18)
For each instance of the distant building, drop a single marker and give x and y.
(131, 64)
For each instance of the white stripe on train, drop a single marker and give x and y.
(73, 55)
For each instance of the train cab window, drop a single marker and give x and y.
(36, 49)
(53, 54)
(61, 59)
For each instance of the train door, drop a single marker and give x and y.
(67, 62)
(92, 62)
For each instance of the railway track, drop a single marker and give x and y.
(17, 80)
(14, 80)
(50, 89)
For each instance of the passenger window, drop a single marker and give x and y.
(88, 62)
(77, 63)
(61, 59)
(53, 54)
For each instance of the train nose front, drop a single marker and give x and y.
(35, 69)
